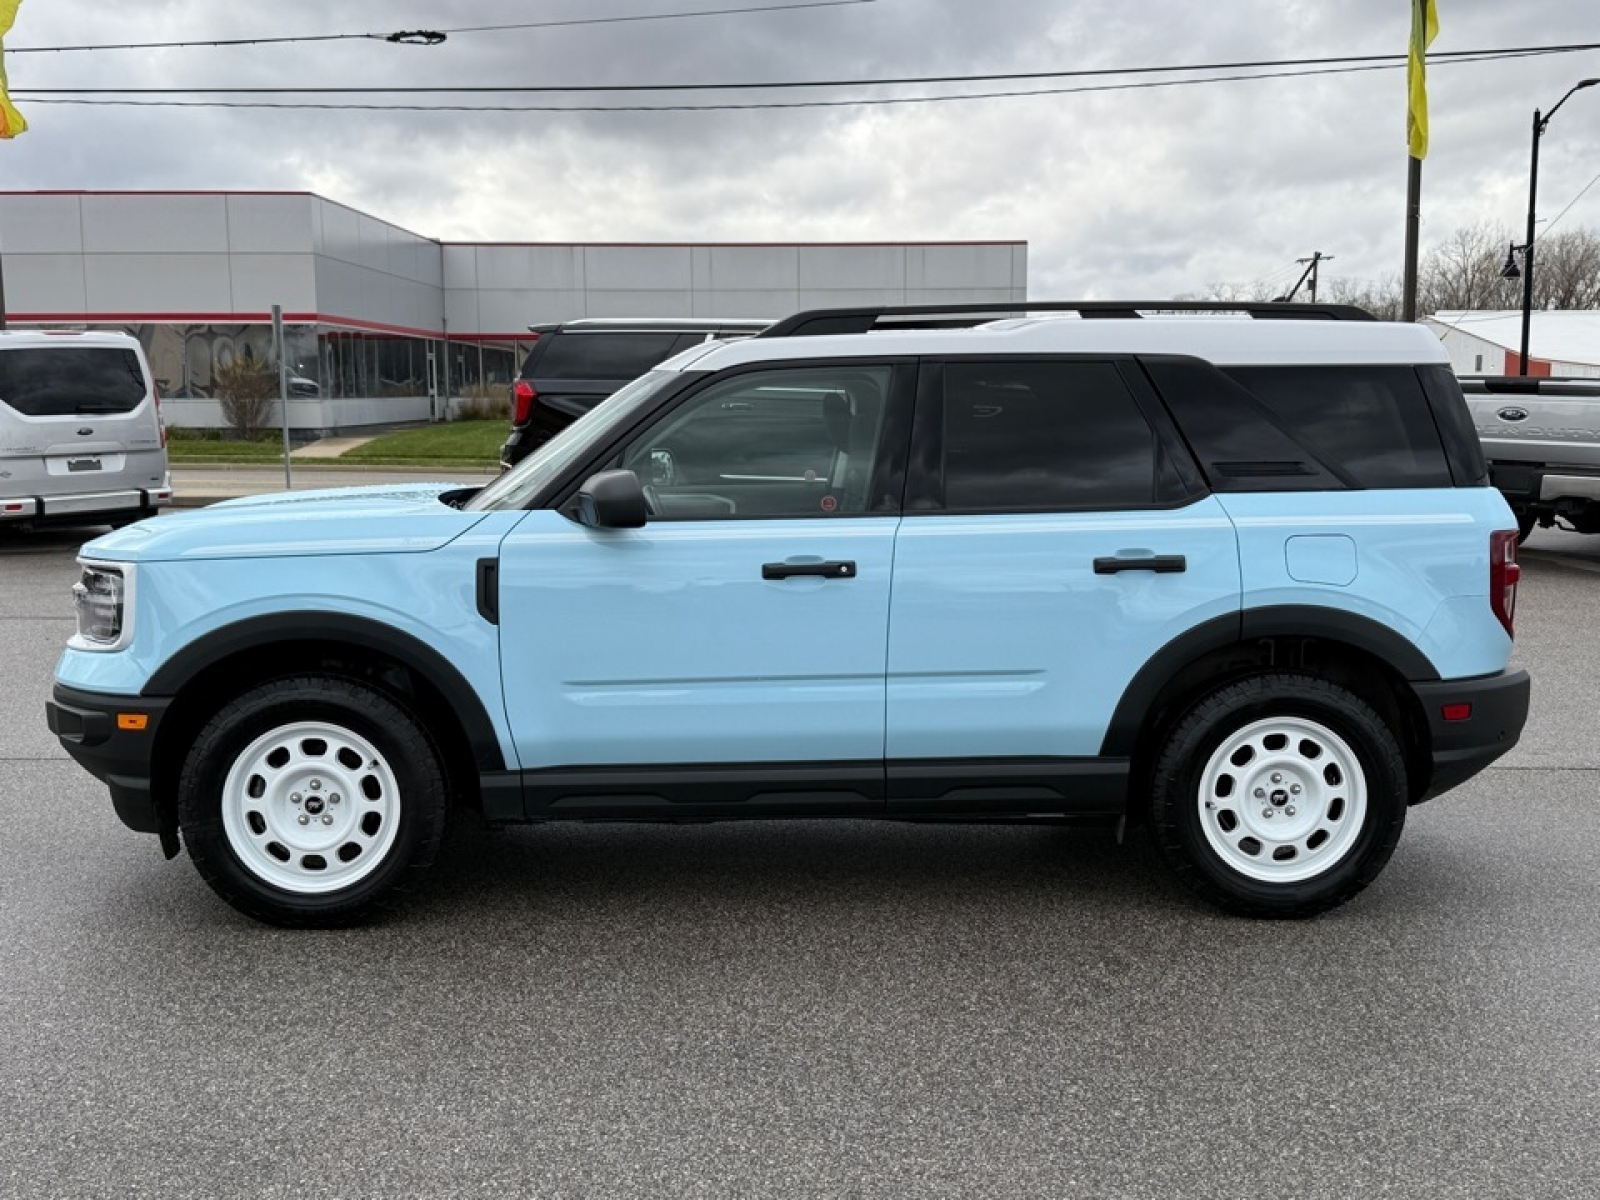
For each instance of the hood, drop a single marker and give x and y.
(383, 519)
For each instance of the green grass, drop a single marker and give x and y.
(457, 444)
(460, 445)
(209, 445)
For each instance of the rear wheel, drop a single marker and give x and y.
(1525, 524)
(312, 801)
(1281, 795)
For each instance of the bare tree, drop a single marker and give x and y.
(1379, 297)
(1463, 272)
(1566, 270)
(1229, 292)
(246, 389)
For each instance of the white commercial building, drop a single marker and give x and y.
(1563, 344)
(384, 325)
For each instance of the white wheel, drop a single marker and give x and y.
(1282, 799)
(312, 800)
(1278, 795)
(310, 808)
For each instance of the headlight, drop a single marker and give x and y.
(101, 598)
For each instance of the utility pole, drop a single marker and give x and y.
(1316, 257)
(1310, 273)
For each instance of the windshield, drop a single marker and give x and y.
(518, 486)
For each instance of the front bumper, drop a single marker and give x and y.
(1463, 747)
(96, 731)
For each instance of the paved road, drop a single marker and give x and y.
(796, 1010)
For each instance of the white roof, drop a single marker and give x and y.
(15, 338)
(1554, 336)
(1235, 341)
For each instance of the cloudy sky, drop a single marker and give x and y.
(1136, 193)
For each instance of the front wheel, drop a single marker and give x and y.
(311, 801)
(1281, 795)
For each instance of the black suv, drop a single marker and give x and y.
(576, 364)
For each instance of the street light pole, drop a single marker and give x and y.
(1527, 247)
(1539, 124)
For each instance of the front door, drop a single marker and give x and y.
(729, 655)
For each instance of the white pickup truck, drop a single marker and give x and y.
(1542, 440)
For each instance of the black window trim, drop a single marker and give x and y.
(924, 494)
(889, 464)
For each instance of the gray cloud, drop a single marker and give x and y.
(1146, 193)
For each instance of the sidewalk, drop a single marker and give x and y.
(197, 486)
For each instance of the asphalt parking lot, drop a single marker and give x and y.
(847, 1009)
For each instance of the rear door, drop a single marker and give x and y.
(1055, 539)
(77, 420)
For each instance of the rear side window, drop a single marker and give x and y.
(571, 355)
(1372, 423)
(51, 381)
(1022, 436)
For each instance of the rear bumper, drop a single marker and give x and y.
(82, 506)
(1526, 484)
(87, 725)
(1462, 748)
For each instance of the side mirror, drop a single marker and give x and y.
(612, 500)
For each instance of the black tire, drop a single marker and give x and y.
(1336, 750)
(1525, 524)
(261, 801)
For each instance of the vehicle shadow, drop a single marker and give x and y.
(771, 865)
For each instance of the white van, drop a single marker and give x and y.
(81, 438)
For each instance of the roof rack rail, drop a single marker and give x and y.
(1528, 385)
(817, 322)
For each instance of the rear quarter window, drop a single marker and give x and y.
(1373, 423)
(70, 381)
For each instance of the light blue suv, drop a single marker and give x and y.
(1238, 575)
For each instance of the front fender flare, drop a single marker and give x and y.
(255, 632)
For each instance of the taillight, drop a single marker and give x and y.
(160, 423)
(524, 396)
(1504, 575)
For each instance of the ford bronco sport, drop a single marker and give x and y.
(1237, 575)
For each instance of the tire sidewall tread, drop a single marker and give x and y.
(1175, 818)
(377, 715)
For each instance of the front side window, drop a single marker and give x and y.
(535, 474)
(797, 442)
(1021, 436)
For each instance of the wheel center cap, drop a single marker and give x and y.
(314, 805)
(1279, 797)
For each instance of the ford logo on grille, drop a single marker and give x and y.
(1512, 414)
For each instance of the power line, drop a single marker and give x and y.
(1372, 61)
(77, 95)
(431, 37)
(1551, 224)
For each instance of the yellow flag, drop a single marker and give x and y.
(11, 122)
(1424, 28)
